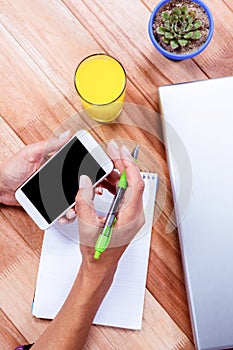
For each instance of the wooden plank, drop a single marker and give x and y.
(10, 143)
(216, 60)
(12, 245)
(165, 276)
(10, 337)
(229, 4)
(30, 103)
(15, 218)
(18, 220)
(97, 341)
(158, 331)
(61, 48)
(17, 283)
(16, 288)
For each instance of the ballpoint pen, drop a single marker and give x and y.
(105, 236)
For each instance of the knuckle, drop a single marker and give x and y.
(140, 185)
(70, 214)
(78, 199)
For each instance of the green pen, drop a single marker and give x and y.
(104, 238)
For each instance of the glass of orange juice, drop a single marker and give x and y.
(100, 81)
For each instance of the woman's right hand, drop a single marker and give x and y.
(130, 217)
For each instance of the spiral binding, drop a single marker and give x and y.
(148, 176)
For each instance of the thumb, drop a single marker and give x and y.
(55, 143)
(88, 221)
(84, 200)
(38, 151)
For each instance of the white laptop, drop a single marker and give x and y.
(198, 132)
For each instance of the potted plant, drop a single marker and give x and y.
(181, 29)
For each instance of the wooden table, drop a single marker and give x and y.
(41, 44)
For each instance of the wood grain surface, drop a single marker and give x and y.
(42, 43)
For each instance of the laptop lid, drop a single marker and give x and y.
(200, 116)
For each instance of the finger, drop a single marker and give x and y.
(135, 182)
(64, 220)
(84, 204)
(132, 170)
(69, 217)
(36, 152)
(71, 214)
(109, 186)
(113, 177)
(99, 190)
(55, 143)
(114, 153)
(110, 183)
(88, 221)
(102, 221)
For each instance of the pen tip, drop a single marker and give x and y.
(135, 152)
(97, 254)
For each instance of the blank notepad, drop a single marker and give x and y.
(61, 258)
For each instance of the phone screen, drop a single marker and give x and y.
(53, 189)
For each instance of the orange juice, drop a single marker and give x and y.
(100, 81)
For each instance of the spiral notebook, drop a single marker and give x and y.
(61, 258)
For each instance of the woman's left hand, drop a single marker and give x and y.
(17, 169)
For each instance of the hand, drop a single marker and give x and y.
(130, 217)
(23, 164)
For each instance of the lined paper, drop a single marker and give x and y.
(61, 259)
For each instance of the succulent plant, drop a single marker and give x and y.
(180, 27)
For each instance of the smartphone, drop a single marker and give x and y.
(51, 190)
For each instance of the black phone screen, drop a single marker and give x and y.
(53, 189)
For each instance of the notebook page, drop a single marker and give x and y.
(61, 258)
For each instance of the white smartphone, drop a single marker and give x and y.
(51, 190)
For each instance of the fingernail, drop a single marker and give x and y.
(71, 214)
(64, 135)
(114, 145)
(100, 190)
(126, 153)
(83, 181)
(113, 149)
(62, 221)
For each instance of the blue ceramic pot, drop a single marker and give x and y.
(173, 56)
